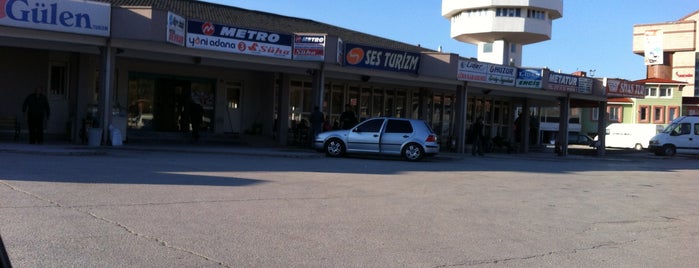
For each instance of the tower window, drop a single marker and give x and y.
(508, 12)
(487, 47)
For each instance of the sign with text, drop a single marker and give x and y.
(569, 83)
(624, 88)
(476, 71)
(175, 29)
(381, 59)
(72, 16)
(653, 49)
(529, 78)
(210, 36)
(310, 47)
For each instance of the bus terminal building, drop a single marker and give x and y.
(137, 66)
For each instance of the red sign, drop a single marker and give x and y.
(625, 89)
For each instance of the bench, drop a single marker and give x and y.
(10, 124)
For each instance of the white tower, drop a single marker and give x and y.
(501, 27)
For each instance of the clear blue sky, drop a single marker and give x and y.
(592, 35)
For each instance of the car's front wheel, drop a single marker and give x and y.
(413, 152)
(334, 148)
(668, 150)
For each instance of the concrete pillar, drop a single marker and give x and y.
(602, 128)
(562, 136)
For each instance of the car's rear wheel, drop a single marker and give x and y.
(413, 152)
(334, 148)
(638, 147)
(669, 150)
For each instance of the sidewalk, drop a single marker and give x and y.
(70, 149)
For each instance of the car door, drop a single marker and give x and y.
(365, 137)
(687, 138)
(396, 133)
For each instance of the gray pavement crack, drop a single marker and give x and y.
(129, 230)
(505, 260)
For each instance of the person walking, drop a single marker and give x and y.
(347, 118)
(317, 120)
(477, 133)
(196, 113)
(36, 109)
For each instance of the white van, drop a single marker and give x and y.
(619, 135)
(681, 136)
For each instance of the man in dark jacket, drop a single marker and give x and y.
(36, 109)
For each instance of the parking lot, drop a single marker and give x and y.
(156, 208)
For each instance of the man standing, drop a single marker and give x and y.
(347, 118)
(317, 120)
(36, 109)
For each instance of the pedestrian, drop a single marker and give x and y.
(196, 114)
(317, 120)
(36, 109)
(477, 133)
(348, 119)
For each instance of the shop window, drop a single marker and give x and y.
(233, 90)
(58, 79)
(644, 114)
(658, 114)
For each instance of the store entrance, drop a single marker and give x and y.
(163, 104)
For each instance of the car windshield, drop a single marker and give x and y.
(670, 127)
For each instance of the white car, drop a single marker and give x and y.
(412, 139)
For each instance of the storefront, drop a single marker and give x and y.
(157, 66)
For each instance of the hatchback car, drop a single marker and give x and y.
(412, 139)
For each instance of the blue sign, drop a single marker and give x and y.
(381, 59)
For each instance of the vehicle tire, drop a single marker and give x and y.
(413, 152)
(638, 147)
(669, 150)
(334, 148)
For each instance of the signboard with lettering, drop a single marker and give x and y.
(529, 78)
(210, 36)
(175, 29)
(624, 89)
(72, 16)
(309, 47)
(381, 58)
(476, 71)
(569, 83)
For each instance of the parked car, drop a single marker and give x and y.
(581, 139)
(412, 139)
(681, 136)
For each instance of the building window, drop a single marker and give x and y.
(536, 14)
(665, 92)
(672, 113)
(614, 113)
(659, 92)
(644, 114)
(595, 114)
(487, 47)
(659, 114)
(508, 12)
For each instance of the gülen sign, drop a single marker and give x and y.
(72, 16)
(210, 36)
(381, 59)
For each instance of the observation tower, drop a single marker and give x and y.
(501, 27)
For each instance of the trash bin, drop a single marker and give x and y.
(115, 137)
(94, 136)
